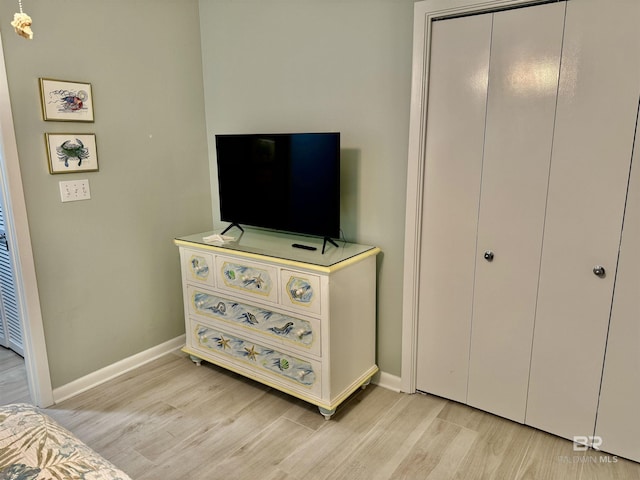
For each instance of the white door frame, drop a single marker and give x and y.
(425, 13)
(18, 236)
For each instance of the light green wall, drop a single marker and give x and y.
(108, 273)
(107, 270)
(324, 65)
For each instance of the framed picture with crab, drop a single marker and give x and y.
(71, 152)
(66, 101)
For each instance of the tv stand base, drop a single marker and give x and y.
(324, 244)
(230, 227)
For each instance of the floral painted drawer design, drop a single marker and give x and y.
(295, 330)
(277, 363)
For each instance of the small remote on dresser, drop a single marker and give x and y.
(304, 247)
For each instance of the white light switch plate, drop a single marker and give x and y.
(74, 190)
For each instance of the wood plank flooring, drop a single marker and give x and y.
(172, 420)
(13, 378)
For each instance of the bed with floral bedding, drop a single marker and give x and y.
(34, 447)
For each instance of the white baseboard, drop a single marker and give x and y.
(388, 381)
(107, 373)
(71, 389)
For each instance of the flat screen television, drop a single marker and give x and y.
(283, 181)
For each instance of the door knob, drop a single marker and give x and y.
(488, 256)
(599, 271)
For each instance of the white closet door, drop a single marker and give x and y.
(595, 124)
(523, 83)
(618, 423)
(453, 160)
(4, 324)
(10, 325)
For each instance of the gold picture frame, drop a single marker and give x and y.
(71, 152)
(65, 101)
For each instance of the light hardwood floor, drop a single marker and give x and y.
(13, 378)
(172, 420)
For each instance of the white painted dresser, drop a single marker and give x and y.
(297, 320)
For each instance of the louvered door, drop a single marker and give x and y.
(11, 330)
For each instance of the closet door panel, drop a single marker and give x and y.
(618, 424)
(459, 63)
(595, 124)
(523, 82)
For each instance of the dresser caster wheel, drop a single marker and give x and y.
(365, 384)
(196, 360)
(327, 414)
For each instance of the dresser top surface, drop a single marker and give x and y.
(280, 245)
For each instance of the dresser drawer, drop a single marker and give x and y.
(301, 291)
(276, 327)
(283, 368)
(198, 266)
(238, 276)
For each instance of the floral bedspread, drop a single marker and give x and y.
(34, 447)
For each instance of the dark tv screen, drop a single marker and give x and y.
(286, 181)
